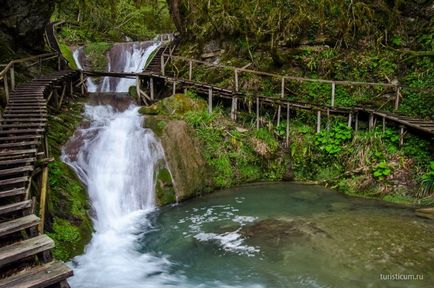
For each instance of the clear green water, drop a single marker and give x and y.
(291, 235)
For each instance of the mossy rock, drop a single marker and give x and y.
(96, 53)
(67, 54)
(165, 192)
(175, 105)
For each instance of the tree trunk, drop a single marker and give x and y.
(175, 12)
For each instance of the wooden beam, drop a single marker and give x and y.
(333, 94)
(318, 121)
(43, 195)
(210, 100)
(356, 128)
(5, 80)
(371, 121)
(190, 70)
(398, 95)
(257, 112)
(350, 120)
(12, 71)
(82, 83)
(384, 125)
(59, 105)
(236, 80)
(163, 72)
(174, 88)
(138, 89)
(401, 136)
(151, 87)
(287, 125)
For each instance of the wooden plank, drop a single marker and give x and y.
(29, 115)
(19, 224)
(17, 161)
(20, 120)
(12, 192)
(17, 170)
(43, 198)
(13, 208)
(26, 125)
(39, 276)
(20, 137)
(21, 131)
(18, 152)
(26, 248)
(19, 144)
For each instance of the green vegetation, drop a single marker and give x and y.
(96, 53)
(112, 21)
(69, 223)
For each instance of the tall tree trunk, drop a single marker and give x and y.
(175, 12)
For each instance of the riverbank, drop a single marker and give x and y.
(366, 164)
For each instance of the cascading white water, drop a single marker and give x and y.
(117, 160)
(123, 57)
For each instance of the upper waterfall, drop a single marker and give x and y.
(122, 57)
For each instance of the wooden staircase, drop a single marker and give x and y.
(25, 254)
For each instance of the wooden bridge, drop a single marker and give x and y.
(147, 93)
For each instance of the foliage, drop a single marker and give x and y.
(96, 53)
(428, 181)
(331, 141)
(112, 20)
(381, 170)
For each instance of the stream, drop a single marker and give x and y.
(264, 235)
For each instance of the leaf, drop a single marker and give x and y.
(387, 172)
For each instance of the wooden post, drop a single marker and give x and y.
(59, 105)
(71, 88)
(287, 125)
(138, 89)
(174, 88)
(151, 87)
(401, 136)
(162, 65)
(371, 121)
(384, 125)
(59, 62)
(333, 94)
(282, 96)
(236, 80)
(234, 108)
(356, 128)
(12, 78)
(398, 95)
(43, 196)
(82, 83)
(190, 70)
(328, 119)
(5, 79)
(210, 100)
(350, 120)
(318, 121)
(257, 112)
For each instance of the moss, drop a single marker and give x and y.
(165, 191)
(176, 105)
(67, 54)
(68, 220)
(96, 53)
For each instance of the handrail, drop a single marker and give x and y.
(340, 82)
(21, 60)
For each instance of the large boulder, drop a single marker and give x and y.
(22, 25)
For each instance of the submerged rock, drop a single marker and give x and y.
(426, 212)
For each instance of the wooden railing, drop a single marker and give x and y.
(9, 70)
(283, 78)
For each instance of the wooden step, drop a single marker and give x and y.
(4, 209)
(26, 115)
(18, 224)
(12, 192)
(15, 180)
(20, 137)
(36, 120)
(16, 170)
(24, 125)
(39, 276)
(19, 144)
(17, 161)
(26, 248)
(17, 152)
(21, 131)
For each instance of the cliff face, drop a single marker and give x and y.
(22, 25)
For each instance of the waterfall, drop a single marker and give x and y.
(122, 57)
(116, 158)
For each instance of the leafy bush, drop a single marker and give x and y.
(381, 171)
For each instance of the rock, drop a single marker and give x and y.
(289, 175)
(186, 164)
(425, 212)
(22, 24)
